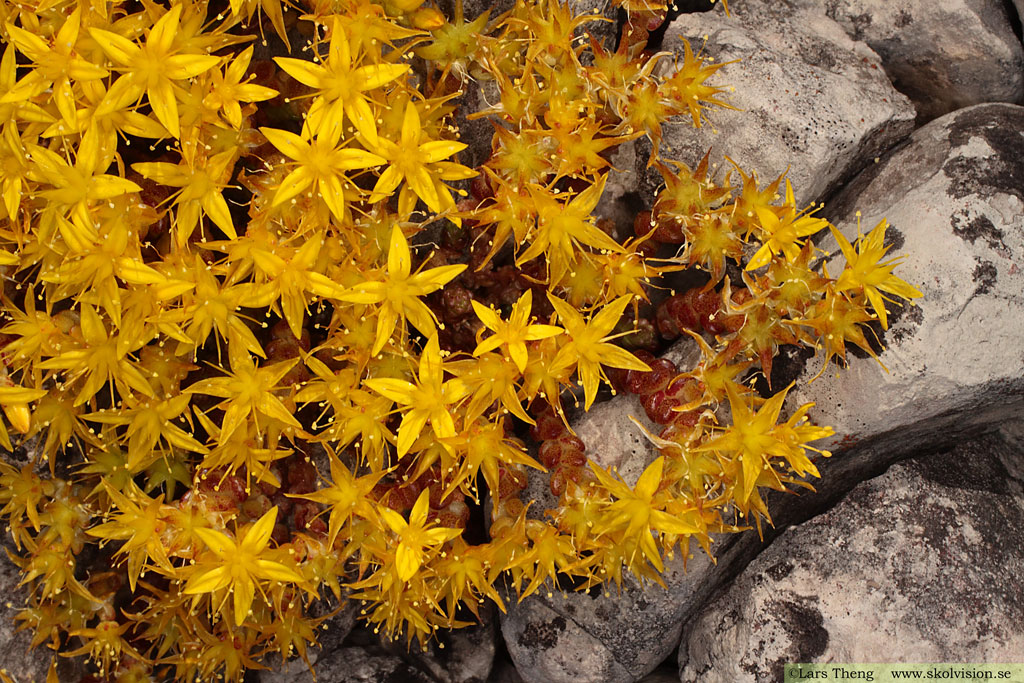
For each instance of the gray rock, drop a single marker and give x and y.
(466, 656)
(943, 55)
(605, 636)
(351, 664)
(621, 202)
(809, 98)
(16, 659)
(918, 565)
(954, 198)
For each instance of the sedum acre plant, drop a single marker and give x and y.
(272, 344)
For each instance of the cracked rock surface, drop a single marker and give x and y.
(943, 55)
(921, 564)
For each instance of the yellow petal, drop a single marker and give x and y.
(296, 182)
(14, 395)
(535, 332)
(323, 286)
(386, 183)
(182, 67)
(207, 581)
(116, 47)
(275, 571)
(161, 36)
(436, 278)
(408, 561)
(410, 126)
(289, 144)
(235, 71)
(393, 519)
(567, 315)
(271, 406)
(165, 106)
(397, 390)
(333, 194)
(441, 534)
(362, 118)
(617, 357)
(92, 327)
(217, 209)
(418, 515)
(29, 43)
(216, 541)
(399, 256)
(258, 535)
(375, 75)
(410, 430)
(487, 315)
(606, 320)
(304, 71)
(108, 187)
(137, 273)
(436, 150)
(761, 258)
(753, 464)
(366, 293)
(673, 525)
(590, 377)
(351, 159)
(19, 416)
(647, 484)
(422, 184)
(165, 174)
(245, 591)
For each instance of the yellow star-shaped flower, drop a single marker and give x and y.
(415, 536)
(239, 564)
(515, 333)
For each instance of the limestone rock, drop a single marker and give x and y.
(603, 637)
(808, 98)
(16, 659)
(917, 565)
(943, 55)
(466, 657)
(351, 664)
(954, 199)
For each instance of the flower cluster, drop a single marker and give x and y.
(272, 344)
